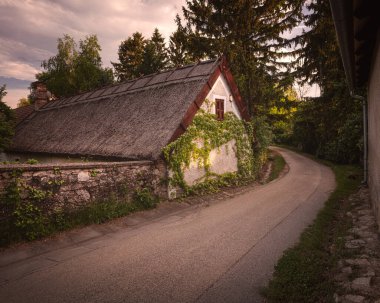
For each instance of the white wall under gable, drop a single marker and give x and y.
(221, 90)
(222, 159)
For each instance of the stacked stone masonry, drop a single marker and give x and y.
(72, 186)
(358, 274)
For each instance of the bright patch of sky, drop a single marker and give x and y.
(29, 30)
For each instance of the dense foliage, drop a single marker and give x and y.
(26, 217)
(178, 51)
(74, 70)
(139, 56)
(251, 35)
(6, 121)
(329, 126)
(207, 133)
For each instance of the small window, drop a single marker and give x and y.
(219, 109)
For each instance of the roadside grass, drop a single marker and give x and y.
(99, 212)
(303, 274)
(278, 165)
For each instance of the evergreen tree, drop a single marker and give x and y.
(131, 53)
(178, 45)
(155, 57)
(251, 34)
(329, 126)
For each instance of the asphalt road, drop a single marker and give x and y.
(223, 252)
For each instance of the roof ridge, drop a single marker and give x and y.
(92, 94)
(127, 92)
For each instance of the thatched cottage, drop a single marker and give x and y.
(133, 120)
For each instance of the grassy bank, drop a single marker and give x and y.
(303, 273)
(278, 165)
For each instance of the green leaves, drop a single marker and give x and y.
(139, 57)
(130, 55)
(6, 121)
(251, 35)
(74, 70)
(207, 133)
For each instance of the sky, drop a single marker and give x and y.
(29, 30)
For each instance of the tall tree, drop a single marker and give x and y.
(281, 116)
(131, 52)
(6, 121)
(333, 121)
(178, 45)
(155, 57)
(73, 71)
(250, 34)
(89, 73)
(59, 69)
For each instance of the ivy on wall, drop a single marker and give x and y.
(207, 133)
(25, 212)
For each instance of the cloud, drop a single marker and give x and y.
(29, 29)
(13, 95)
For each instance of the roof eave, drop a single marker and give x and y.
(220, 69)
(342, 13)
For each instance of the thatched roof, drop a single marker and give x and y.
(130, 120)
(23, 112)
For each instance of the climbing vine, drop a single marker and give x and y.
(21, 208)
(207, 133)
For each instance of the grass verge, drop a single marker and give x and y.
(303, 274)
(278, 165)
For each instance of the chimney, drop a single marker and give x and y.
(40, 94)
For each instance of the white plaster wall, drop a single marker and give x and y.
(374, 132)
(222, 160)
(220, 90)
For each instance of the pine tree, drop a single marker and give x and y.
(131, 52)
(155, 57)
(178, 45)
(330, 125)
(251, 34)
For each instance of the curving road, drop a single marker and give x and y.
(221, 253)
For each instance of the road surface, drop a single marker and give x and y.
(219, 252)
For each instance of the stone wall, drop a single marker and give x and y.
(71, 186)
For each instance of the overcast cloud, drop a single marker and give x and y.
(29, 30)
